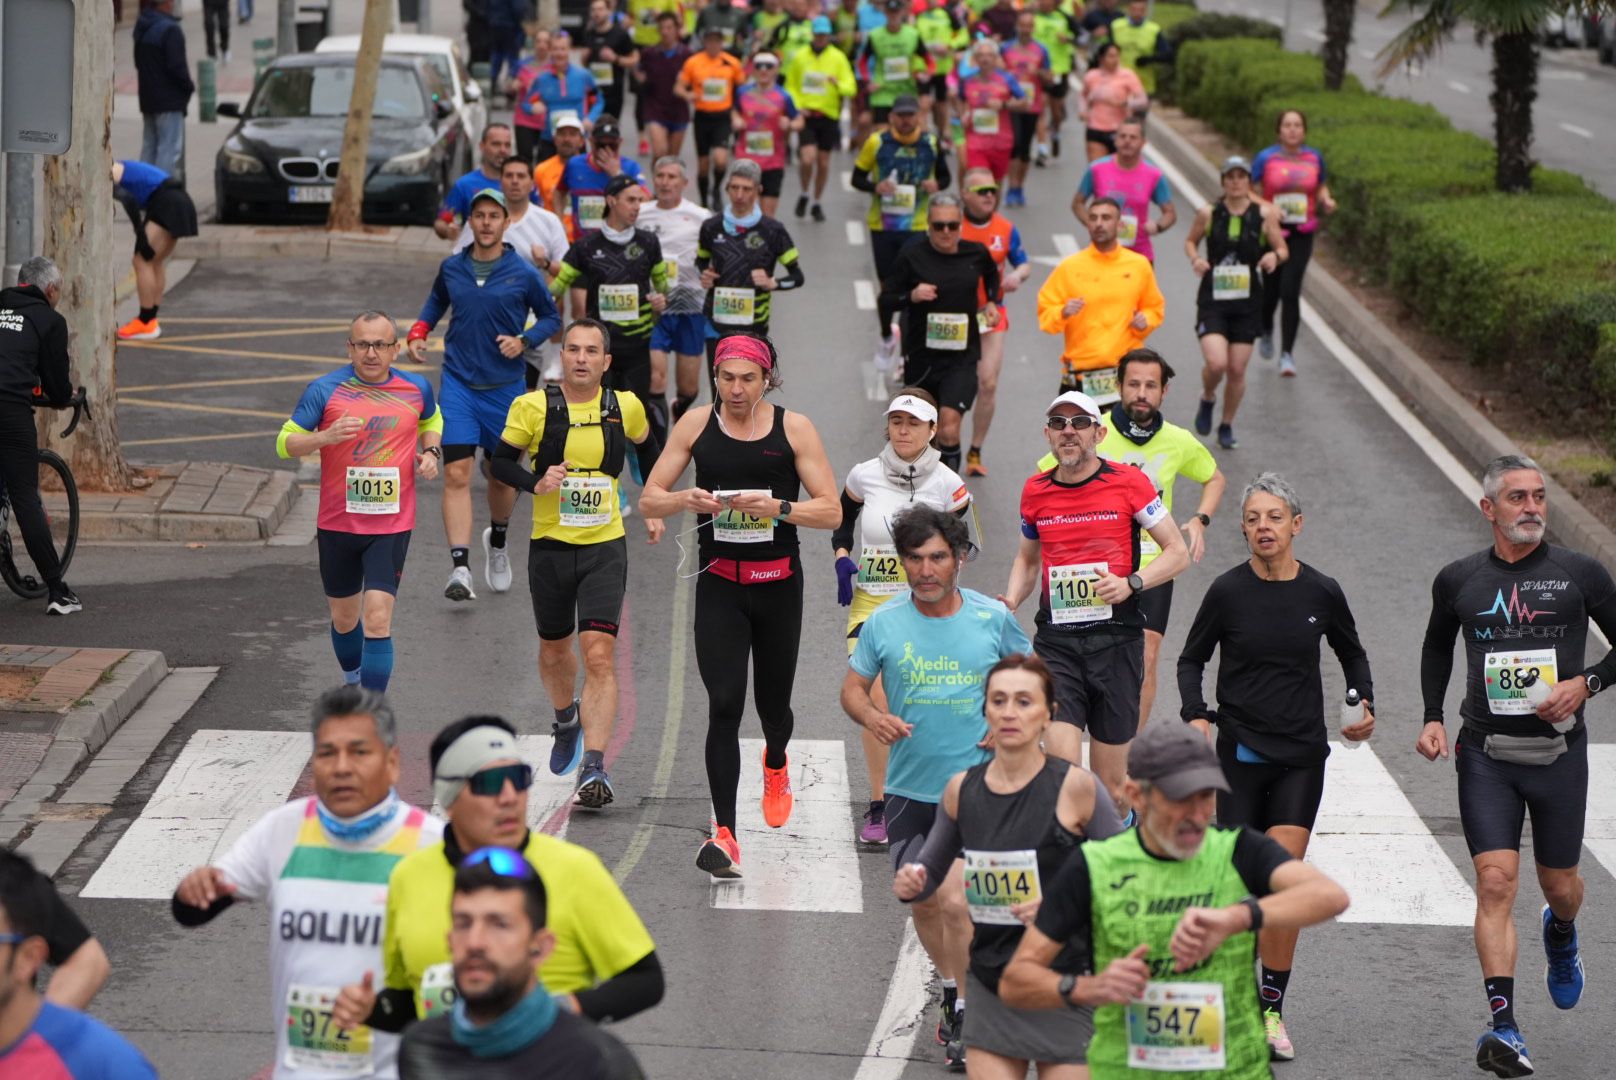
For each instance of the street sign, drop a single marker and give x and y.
(36, 76)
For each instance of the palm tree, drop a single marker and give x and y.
(1337, 40)
(1511, 27)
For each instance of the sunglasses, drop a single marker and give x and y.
(1076, 423)
(946, 226)
(984, 189)
(13, 939)
(502, 861)
(765, 66)
(492, 781)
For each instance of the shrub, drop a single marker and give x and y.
(1207, 25)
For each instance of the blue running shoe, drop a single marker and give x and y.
(594, 788)
(1502, 1052)
(1203, 417)
(1226, 437)
(568, 748)
(1564, 974)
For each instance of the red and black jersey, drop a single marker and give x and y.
(1091, 522)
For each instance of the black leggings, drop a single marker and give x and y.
(19, 474)
(733, 621)
(1287, 287)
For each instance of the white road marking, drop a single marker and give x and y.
(549, 792)
(902, 1014)
(847, 182)
(221, 783)
(864, 294)
(855, 233)
(1371, 840)
(1065, 244)
(1046, 260)
(811, 864)
(1316, 35)
(1573, 129)
(1562, 76)
(1455, 84)
(1599, 835)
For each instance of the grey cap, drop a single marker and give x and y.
(1233, 162)
(905, 103)
(1177, 759)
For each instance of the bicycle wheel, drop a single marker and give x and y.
(29, 585)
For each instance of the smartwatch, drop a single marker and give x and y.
(435, 451)
(1255, 908)
(1067, 984)
(1595, 683)
(1136, 583)
(1204, 519)
(785, 508)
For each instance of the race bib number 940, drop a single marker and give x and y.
(587, 501)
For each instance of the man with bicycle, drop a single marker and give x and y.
(33, 369)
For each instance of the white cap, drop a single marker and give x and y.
(566, 120)
(915, 407)
(1077, 398)
(766, 57)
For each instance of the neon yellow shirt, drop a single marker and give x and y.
(819, 82)
(592, 515)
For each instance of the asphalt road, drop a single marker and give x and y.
(756, 990)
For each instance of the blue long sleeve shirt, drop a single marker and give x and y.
(500, 305)
(582, 95)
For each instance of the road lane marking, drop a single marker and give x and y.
(219, 786)
(223, 410)
(902, 1014)
(1456, 85)
(864, 295)
(236, 335)
(811, 864)
(1372, 841)
(855, 233)
(847, 182)
(1065, 244)
(1562, 76)
(1580, 132)
(174, 439)
(1599, 834)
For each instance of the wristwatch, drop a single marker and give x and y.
(433, 450)
(1203, 519)
(1136, 583)
(785, 508)
(1067, 984)
(1595, 683)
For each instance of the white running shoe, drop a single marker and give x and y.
(497, 569)
(459, 587)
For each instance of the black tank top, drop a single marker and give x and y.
(726, 464)
(1232, 240)
(1020, 821)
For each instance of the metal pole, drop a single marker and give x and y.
(19, 212)
(285, 27)
(423, 17)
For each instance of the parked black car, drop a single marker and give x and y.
(280, 162)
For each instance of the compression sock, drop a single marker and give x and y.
(702, 186)
(1501, 1000)
(950, 995)
(1561, 932)
(681, 405)
(460, 556)
(567, 715)
(950, 455)
(147, 314)
(348, 648)
(1272, 990)
(496, 534)
(376, 667)
(594, 759)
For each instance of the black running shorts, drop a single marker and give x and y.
(1238, 328)
(952, 382)
(1268, 794)
(714, 130)
(908, 822)
(354, 562)
(578, 585)
(1495, 796)
(1097, 681)
(1155, 606)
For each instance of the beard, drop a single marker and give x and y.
(498, 997)
(1524, 531)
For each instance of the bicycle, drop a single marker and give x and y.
(25, 585)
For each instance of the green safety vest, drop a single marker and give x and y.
(936, 26)
(793, 39)
(1138, 899)
(1053, 30)
(1136, 42)
(883, 44)
(764, 24)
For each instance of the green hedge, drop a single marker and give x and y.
(1527, 281)
(1206, 25)
(1168, 16)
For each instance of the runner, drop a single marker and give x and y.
(819, 79)
(493, 147)
(1005, 827)
(942, 31)
(793, 34)
(736, 255)
(767, 17)
(1228, 313)
(620, 273)
(681, 329)
(609, 54)
(528, 115)
(1028, 62)
(1142, 42)
(989, 98)
(568, 132)
(889, 62)
(162, 214)
(931, 648)
(662, 115)
(1059, 31)
(563, 86)
(752, 460)
(605, 965)
(1290, 174)
(504, 1023)
(983, 225)
(731, 20)
(581, 193)
(1080, 552)
(1523, 607)
(1265, 618)
(492, 290)
(764, 114)
(1179, 917)
(908, 472)
(708, 81)
(321, 865)
(1134, 182)
(1110, 94)
(364, 420)
(577, 562)
(941, 286)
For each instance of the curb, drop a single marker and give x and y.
(1471, 436)
(259, 521)
(397, 245)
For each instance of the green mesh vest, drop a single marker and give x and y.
(1138, 899)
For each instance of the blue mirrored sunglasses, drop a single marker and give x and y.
(502, 861)
(492, 781)
(14, 939)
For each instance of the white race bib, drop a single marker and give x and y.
(880, 571)
(815, 82)
(947, 332)
(1128, 229)
(586, 501)
(371, 491)
(995, 880)
(1177, 1027)
(735, 527)
(895, 69)
(985, 121)
(591, 212)
(1292, 207)
(602, 71)
(714, 91)
(734, 306)
(1504, 672)
(760, 143)
(1072, 598)
(313, 1040)
(619, 303)
(1231, 281)
(1101, 385)
(901, 201)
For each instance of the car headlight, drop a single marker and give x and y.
(408, 164)
(240, 163)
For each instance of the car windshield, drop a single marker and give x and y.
(440, 64)
(324, 90)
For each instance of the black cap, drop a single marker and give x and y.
(619, 183)
(607, 129)
(905, 103)
(895, 5)
(1176, 758)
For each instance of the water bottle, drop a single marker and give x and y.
(1537, 692)
(1351, 713)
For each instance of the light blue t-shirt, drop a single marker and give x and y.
(933, 672)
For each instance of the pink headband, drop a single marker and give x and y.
(743, 347)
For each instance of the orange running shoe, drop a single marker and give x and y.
(777, 798)
(138, 329)
(721, 855)
(973, 463)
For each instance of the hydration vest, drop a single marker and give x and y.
(558, 425)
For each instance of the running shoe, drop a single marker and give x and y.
(63, 602)
(1287, 366)
(818, 213)
(1564, 974)
(1203, 418)
(497, 567)
(568, 748)
(886, 353)
(1502, 1052)
(874, 829)
(777, 798)
(721, 855)
(459, 587)
(1280, 1047)
(1265, 346)
(973, 463)
(624, 507)
(802, 206)
(138, 329)
(594, 788)
(1226, 437)
(1054, 146)
(1015, 197)
(948, 1025)
(954, 1049)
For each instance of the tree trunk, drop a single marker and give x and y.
(1515, 58)
(1337, 40)
(83, 239)
(347, 202)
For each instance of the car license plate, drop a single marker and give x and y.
(310, 193)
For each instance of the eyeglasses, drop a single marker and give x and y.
(984, 189)
(765, 66)
(1076, 423)
(492, 781)
(945, 226)
(372, 346)
(502, 861)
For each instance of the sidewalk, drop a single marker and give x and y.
(188, 502)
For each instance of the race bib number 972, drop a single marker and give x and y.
(313, 1040)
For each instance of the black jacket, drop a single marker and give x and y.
(33, 348)
(165, 77)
